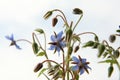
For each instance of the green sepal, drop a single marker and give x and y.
(35, 47)
(101, 49)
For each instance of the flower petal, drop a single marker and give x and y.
(58, 48)
(82, 71)
(75, 59)
(59, 35)
(53, 38)
(52, 47)
(10, 37)
(63, 44)
(88, 67)
(75, 68)
(83, 60)
(18, 47)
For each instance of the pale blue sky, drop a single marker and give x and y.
(21, 17)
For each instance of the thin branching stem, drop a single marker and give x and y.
(86, 33)
(24, 40)
(77, 22)
(53, 62)
(64, 17)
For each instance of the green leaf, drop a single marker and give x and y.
(108, 61)
(35, 47)
(39, 30)
(41, 54)
(89, 44)
(42, 71)
(110, 71)
(101, 49)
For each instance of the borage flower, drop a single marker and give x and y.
(81, 65)
(13, 42)
(57, 43)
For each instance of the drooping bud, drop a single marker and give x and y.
(116, 53)
(76, 49)
(110, 70)
(38, 67)
(47, 15)
(112, 38)
(77, 11)
(54, 21)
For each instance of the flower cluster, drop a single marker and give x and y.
(67, 43)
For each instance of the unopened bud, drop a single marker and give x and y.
(77, 11)
(38, 67)
(116, 53)
(47, 15)
(76, 49)
(54, 21)
(112, 38)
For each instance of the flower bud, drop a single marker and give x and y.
(112, 38)
(76, 49)
(38, 67)
(54, 21)
(77, 11)
(47, 15)
(110, 71)
(116, 53)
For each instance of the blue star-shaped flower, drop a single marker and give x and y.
(13, 42)
(57, 43)
(81, 65)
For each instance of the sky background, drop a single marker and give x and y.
(22, 17)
